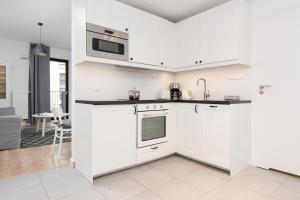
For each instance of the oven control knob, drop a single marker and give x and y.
(147, 107)
(154, 106)
(161, 106)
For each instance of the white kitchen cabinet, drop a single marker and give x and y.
(143, 34)
(188, 41)
(165, 43)
(219, 34)
(187, 130)
(106, 138)
(215, 37)
(108, 13)
(218, 135)
(214, 136)
(150, 39)
(114, 143)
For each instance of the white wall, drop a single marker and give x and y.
(16, 54)
(229, 80)
(60, 54)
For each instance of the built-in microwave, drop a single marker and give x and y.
(106, 43)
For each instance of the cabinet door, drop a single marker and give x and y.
(218, 33)
(187, 130)
(114, 140)
(214, 134)
(188, 41)
(165, 42)
(108, 13)
(143, 34)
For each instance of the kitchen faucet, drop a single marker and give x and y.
(206, 93)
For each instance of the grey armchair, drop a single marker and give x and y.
(10, 129)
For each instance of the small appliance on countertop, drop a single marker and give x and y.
(175, 93)
(187, 95)
(134, 94)
(164, 94)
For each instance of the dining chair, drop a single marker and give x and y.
(62, 127)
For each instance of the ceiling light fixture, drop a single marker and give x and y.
(40, 49)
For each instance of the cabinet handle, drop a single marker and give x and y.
(196, 62)
(213, 106)
(126, 29)
(135, 110)
(162, 63)
(131, 58)
(154, 148)
(200, 61)
(109, 32)
(196, 108)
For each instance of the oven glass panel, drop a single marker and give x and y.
(153, 128)
(108, 46)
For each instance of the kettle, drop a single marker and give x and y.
(134, 94)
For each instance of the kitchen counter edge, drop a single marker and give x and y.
(124, 102)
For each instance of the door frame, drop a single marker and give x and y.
(67, 78)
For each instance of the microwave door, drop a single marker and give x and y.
(103, 46)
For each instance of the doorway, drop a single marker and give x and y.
(59, 84)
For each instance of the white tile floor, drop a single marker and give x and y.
(173, 178)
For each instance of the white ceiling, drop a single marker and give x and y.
(19, 18)
(174, 10)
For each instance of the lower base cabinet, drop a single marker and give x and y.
(218, 135)
(187, 130)
(105, 137)
(214, 134)
(114, 141)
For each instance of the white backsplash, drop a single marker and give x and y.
(98, 81)
(229, 80)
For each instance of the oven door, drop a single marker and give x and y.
(152, 128)
(105, 46)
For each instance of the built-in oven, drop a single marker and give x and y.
(152, 125)
(106, 43)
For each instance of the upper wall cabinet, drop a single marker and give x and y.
(166, 43)
(187, 36)
(143, 34)
(218, 35)
(108, 13)
(149, 38)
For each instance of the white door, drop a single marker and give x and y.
(187, 130)
(188, 41)
(115, 138)
(214, 134)
(143, 33)
(218, 33)
(108, 13)
(276, 47)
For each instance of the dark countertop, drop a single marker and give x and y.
(120, 102)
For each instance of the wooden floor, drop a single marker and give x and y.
(21, 161)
